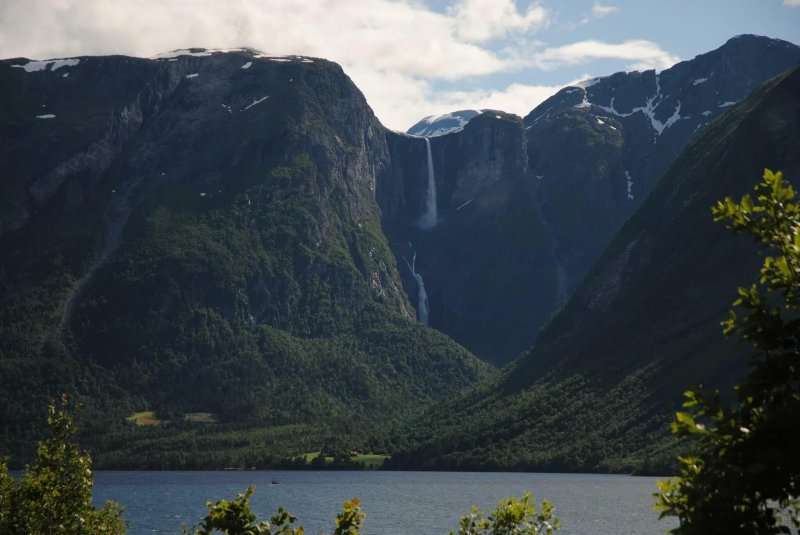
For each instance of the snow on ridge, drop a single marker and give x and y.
(256, 101)
(589, 82)
(71, 62)
(726, 104)
(674, 118)
(585, 102)
(46, 116)
(36, 66)
(430, 119)
(247, 65)
(200, 52)
(649, 109)
(452, 122)
(700, 81)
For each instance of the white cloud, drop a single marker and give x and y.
(481, 20)
(415, 99)
(599, 10)
(791, 3)
(384, 34)
(643, 54)
(393, 49)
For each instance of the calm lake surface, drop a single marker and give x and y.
(395, 502)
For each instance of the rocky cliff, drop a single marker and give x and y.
(600, 386)
(596, 150)
(487, 263)
(497, 269)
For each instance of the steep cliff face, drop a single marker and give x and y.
(200, 231)
(597, 149)
(488, 264)
(552, 200)
(602, 383)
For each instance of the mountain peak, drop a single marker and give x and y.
(439, 125)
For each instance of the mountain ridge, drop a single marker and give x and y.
(598, 389)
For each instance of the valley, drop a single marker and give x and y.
(235, 235)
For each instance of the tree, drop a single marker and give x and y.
(743, 473)
(512, 517)
(54, 496)
(235, 518)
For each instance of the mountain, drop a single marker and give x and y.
(486, 260)
(439, 125)
(197, 234)
(599, 387)
(525, 210)
(596, 150)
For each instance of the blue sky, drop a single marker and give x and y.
(411, 58)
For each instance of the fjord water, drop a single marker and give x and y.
(416, 503)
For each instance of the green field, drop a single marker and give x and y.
(369, 460)
(144, 418)
(200, 417)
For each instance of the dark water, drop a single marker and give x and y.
(395, 502)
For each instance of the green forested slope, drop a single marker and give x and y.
(220, 252)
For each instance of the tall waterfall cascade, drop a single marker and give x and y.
(431, 216)
(422, 295)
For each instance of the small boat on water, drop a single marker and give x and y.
(275, 481)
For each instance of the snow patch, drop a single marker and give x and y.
(57, 64)
(700, 81)
(462, 205)
(257, 101)
(583, 84)
(648, 109)
(247, 65)
(65, 75)
(193, 75)
(451, 122)
(36, 66)
(726, 104)
(198, 52)
(306, 60)
(46, 116)
(585, 102)
(707, 113)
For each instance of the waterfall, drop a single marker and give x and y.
(422, 296)
(430, 216)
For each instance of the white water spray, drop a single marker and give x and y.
(422, 296)
(431, 216)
